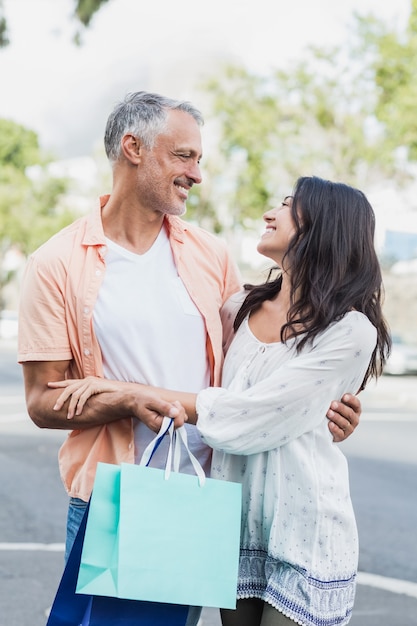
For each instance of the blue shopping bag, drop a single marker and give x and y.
(119, 612)
(177, 538)
(69, 608)
(73, 609)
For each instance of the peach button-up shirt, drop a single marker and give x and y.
(60, 287)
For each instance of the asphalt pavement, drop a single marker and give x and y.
(382, 458)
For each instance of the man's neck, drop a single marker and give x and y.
(131, 227)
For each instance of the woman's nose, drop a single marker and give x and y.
(269, 215)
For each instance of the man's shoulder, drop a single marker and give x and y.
(194, 232)
(62, 242)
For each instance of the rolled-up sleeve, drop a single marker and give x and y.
(43, 334)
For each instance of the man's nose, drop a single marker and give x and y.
(195, 173)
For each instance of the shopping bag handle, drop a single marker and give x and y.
(180, 435)
(176, 437)
(166, 427)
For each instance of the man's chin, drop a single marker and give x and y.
(178, 211)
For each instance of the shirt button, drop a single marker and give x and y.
(86, 310)
(130, 446)
(98, 272)
(262, 349)
(86, 352)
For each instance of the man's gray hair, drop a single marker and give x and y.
(144, 115)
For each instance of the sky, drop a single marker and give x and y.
(65, 93)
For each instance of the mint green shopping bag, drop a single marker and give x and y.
(162, 536)
(100, 554)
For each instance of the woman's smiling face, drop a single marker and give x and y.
(279, 231)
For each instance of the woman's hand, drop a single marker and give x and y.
(78, 390)
(145, 401)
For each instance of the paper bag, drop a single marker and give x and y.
(167, 537)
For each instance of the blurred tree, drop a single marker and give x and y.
(314, 118)
(242, 118)
(84, 11)
(30, 208)
(4, 36)
(393, 59)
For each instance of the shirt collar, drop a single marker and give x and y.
(94, 233)
(176, 227)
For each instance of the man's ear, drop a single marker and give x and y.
(131, 148)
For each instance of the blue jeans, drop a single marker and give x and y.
(76, 510)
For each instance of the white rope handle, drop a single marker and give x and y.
(176, 437)
(166, 427)
(180, 435)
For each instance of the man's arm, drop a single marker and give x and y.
(344, 417)
(101, 408)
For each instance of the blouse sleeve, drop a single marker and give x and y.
(294, 398)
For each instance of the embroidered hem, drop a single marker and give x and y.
(307, 600)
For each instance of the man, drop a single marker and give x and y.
(130, 292)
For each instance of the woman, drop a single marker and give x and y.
(312, 334)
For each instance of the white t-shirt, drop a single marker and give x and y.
(151, 332)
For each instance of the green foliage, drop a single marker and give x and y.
(30, 210)
(84, 12)
(246, 114)
(201, 210)
(19, 146)
(393, 62)
(314, 118)
(338, 113)
(4, 35)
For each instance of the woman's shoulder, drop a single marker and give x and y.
(234, 302)
(354, 327)
(228, 314)
(358, 319)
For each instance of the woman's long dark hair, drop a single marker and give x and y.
(333, 265)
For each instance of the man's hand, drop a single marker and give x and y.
(344, 417)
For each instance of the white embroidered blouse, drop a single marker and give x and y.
(269, 430)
